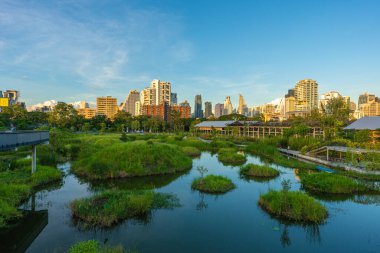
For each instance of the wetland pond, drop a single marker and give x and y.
(231, 222)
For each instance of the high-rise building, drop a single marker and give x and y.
(242, 109)
(368, 105)
(173, 99)
(129, 105)
(208, 109)
(83, 105)
(163, 91)
(306, 95)
(106, 106)
(158, 111)
(137, 108)
(219, 110)
(198, 112)
(12, 95)
(227, 106)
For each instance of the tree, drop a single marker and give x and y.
(63, 116)
(103, 127)
(86, 127)
(135, 125)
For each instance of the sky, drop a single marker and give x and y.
(72, 50)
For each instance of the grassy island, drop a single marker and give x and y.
(213, 184)
(108, 208)
(93, 246)
(260, 171)
(332, 183)
(131, 159)
(295, 206)
(191, 151)
(229, 156)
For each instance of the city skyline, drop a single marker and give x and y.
(59, 47)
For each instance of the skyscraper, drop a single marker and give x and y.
(148, 96)
(242, 109)
(129, 105)
(208, 109)
(227, 106)
(106, 106)
(219, 110)
(198, 112)
(306, 95)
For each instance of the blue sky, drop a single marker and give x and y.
(76, 50)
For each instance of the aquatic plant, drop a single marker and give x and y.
(191, 151)
(229, 156)
(93, 246)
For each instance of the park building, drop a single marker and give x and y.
(107, 106)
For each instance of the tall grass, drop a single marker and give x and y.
(229, 156)
(295, 206)
(130, 159)
(332, 183)
(191, 151)
(93, 246)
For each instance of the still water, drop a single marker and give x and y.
(232, 222)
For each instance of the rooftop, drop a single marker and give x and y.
(365, 123)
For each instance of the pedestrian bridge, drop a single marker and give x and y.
(12, 140)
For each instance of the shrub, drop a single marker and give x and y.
(255, 170)
(295, 206)
(213, 184)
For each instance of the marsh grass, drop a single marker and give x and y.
(110, 207)
(229, 156)
(213, 184)
(332, 183)
(259, 171)
(130, 159)
(93, 246)
(294, 206)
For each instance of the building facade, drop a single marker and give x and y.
(219, 110)
(162, 91)
(306, 95)
(106, 106)
(242, 108)
(87, 113)
(173, 99)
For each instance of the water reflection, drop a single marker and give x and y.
(201, 205)
(20, 234)
(312, 233)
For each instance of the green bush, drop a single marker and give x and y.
(332, 183)
(45, 175)
(255, 170)
(46, 155)
(295, 206)
(132, 159)
(108, 208)
(213, 184)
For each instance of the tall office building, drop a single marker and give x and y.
(227, 106)
(106, 106)
(208, 109)
(148, 96)
(173, 99)
(242, 109)
(306, 95)
(198, 112)
(219, 110)
(129, 105)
